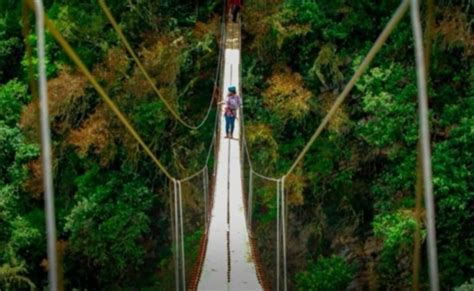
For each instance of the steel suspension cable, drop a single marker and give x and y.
(193, 175)
(397, 16)
(75, 58)
(395, 19)
(212, 144)
(42, 21)
(265, 177)
(129, 48)
(219, 73)
(419, 172)
(424, 125)
(219, 57)
(425, 145)
(114, 23)
(46, 149)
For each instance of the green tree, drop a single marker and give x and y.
(332, 273)
(109, 222)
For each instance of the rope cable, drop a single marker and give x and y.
(212, 145)
(101, 91)
(280, 193)
(129, 48)
(177, 187)
(424, 132)
(75, 58)
(399, 13)
(395, 19)
(193, 175)
(265, 177)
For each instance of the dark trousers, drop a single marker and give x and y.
(229, 124)
(235, 11)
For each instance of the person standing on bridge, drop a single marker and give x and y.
(232, 104)
(235, 6)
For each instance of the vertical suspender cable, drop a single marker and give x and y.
(283, 229)
(417, 234)
(183, 265)
(46, 150)
(172, 190)
(250, 199)
(207, 196)
(205, 177)
(176, 234)
(241, 99)
(425, 145)
(204, 194)
(278, 236)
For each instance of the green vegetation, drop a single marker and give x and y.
(327, 274)
(113, 213)
(354, 194)
(351, 215)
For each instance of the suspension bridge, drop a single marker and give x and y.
(228, 258)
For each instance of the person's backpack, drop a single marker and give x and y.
(233, 103)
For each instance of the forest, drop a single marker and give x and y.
(352, 201)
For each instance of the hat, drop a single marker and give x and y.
(232, 89)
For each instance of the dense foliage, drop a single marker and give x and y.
(327, 274)
(113, 213)
(354, 195)
(351, 216)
